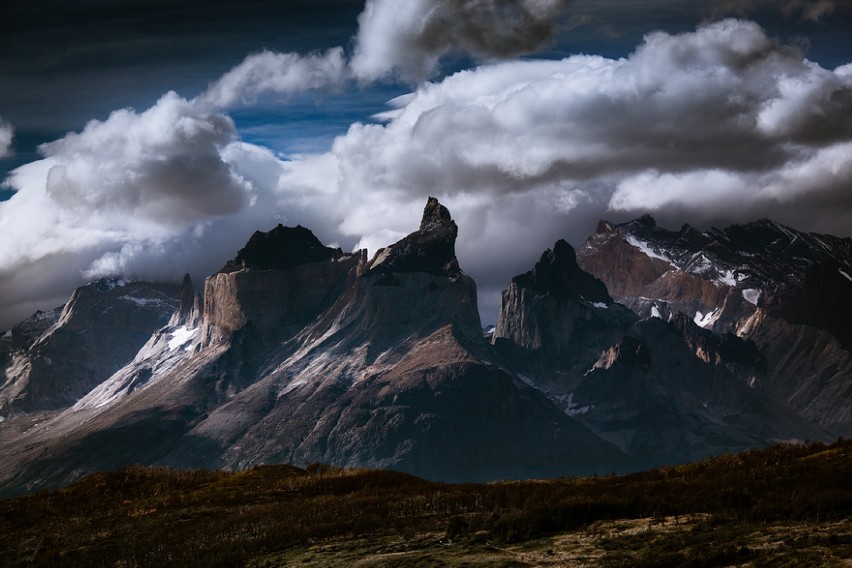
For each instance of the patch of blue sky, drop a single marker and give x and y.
(308, 124)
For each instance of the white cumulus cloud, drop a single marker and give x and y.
(269, 72)
(139, 194)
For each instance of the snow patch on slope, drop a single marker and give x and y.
(159, 355)
(728, 278)
(181, 336)
(751, 295)
(143, 302)
(705, 320)
(646, 249)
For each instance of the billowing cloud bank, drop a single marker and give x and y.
(707, 123)
(716, 126)
(6, 135)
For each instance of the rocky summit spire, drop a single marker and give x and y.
(436, 217)
(431, 249)
(189, 312)
(557, 274)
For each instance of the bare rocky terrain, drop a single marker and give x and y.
(644, 347)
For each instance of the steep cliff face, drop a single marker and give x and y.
(555, 319)
(808, 368)
(189, 311)
(99, 330)
(741, 357)
(431, 249)
(276, 285)
(662, 273)
(166, 349)
(302, 353)
(787, 291)
(24, 334)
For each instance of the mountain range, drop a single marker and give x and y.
(643, 347)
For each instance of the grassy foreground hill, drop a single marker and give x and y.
(784, 505)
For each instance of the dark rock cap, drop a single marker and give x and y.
(282, 247)
(558, 275)
(431, 249)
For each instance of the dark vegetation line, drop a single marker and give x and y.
(164, 517)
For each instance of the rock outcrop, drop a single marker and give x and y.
(431, 249)
(396, 373)
(280, 249)
(302, 353)
(663, 401)
(555, 319)
(189, 311)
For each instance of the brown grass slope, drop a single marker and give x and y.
(277, 515)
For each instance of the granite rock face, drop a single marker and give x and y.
(396, 374)
(189, 311)
(663, 402)
(276, 285)
(281, 248)
(431, 249)
(25, 333)
(555, 319)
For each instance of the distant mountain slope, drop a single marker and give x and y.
(663, 392)
(790, 292)
(61, 355)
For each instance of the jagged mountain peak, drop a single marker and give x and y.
(307, 354)
(757, 258)
(645, 220)
(63, 355)
(431, 249)
(557, 274)
(788, 291)
(436, 217)
(189, 310)
(281, 248)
